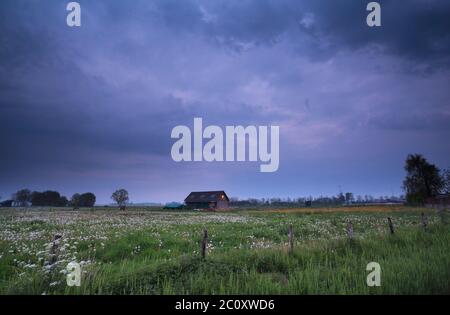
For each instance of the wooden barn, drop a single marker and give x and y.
(208, 200)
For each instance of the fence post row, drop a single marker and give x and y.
(350, 233)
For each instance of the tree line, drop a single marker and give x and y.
(347, 198)
(49, 198)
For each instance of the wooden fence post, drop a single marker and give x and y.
(54, 249)
(291, 239)
(204, 243)
(350, 233)
(424, 221)
(391, 226)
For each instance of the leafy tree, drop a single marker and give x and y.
(422, 179)
(120, 196)
(48, 199)
(83, 200)
(75, 201)
(62, 202)
(22, 197)
(87, 200)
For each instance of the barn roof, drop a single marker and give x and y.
(206, 196)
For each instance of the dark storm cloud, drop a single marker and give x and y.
(416, 29)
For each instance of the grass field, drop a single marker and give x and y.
(145, 251)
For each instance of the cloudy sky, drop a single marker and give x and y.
(92, 108)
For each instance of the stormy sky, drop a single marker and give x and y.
(92, 108)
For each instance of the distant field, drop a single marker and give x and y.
(158, 252)
(355, 208)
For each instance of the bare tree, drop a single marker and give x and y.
(349, 197)
(120, 196)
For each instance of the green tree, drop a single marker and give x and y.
(83, 200)
(62, 202)
(22, 197)
(48, 198)
(422, 179)
(87, 199)
(120, 196)
(75, 201)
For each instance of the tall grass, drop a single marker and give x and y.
(412, 262)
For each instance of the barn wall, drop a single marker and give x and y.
(222, 205)
(197, 205)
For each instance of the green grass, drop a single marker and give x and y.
(158, 253)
